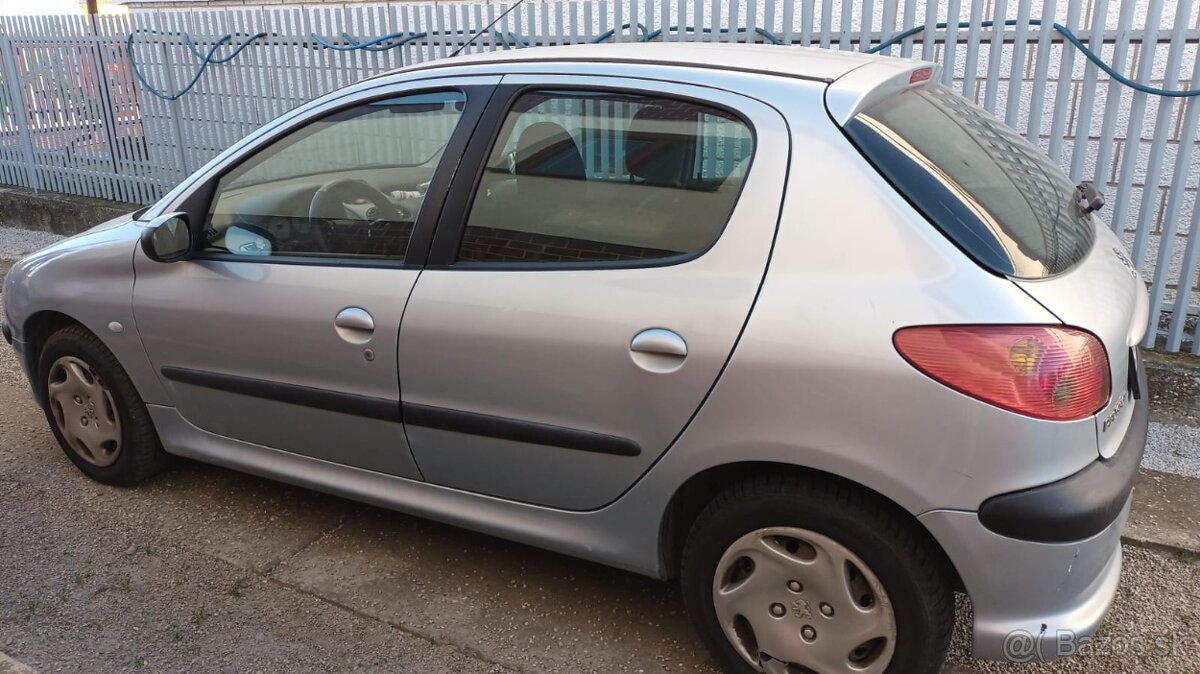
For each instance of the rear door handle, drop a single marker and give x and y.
(354, 325)
(659, 341)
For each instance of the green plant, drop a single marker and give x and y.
(238, 589)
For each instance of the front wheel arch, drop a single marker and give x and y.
(36, 330)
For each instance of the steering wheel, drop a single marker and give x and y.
(335, 194)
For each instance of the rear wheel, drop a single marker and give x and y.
(794, 575)
(94, 410)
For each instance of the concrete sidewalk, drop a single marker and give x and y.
(1166, 498)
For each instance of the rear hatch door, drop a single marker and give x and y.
(1008, 207)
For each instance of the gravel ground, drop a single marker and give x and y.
(1172, 448)
(96, 579)
(15, 243)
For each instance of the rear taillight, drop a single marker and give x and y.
(1046, 372)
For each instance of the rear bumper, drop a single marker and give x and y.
(1032, 601)
(1042, 565)
(1081, 505)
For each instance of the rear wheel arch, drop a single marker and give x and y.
(698, 491)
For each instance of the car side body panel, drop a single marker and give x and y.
(88, 278)
(791, 387)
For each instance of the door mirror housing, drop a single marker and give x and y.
(168, 238)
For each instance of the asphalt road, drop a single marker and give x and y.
(208, 570)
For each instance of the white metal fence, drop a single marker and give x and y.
(74, 118)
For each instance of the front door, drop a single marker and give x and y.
(281, 330)
(586, 287)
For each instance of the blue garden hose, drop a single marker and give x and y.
(1066, 33)
(206, 59)
(513, 40)
(370, 45)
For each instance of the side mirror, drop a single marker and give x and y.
(168, 238)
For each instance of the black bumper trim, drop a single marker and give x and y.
(1081, 505)
(8, 336)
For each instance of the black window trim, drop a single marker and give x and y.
(197, 205)
(443, 253)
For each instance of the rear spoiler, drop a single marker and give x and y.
(859, 88)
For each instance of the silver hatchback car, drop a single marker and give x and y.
(805, 330)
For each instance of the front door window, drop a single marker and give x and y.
(349, 185)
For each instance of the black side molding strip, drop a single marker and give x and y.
(440, 418)
(346, 403)
(503, 428)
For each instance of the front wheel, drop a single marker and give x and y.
(95, 412)
(790, 575)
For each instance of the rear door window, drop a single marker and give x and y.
(984, 186)
(581, 177)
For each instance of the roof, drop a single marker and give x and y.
(795, 61)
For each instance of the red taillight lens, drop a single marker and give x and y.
(1046, 372)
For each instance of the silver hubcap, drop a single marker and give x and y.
(84, 410)
(793, 601)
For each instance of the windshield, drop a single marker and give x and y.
(995, 195)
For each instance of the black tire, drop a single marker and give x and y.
(141, 455)
(887, 540)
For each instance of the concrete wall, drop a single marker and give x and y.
(53, 212)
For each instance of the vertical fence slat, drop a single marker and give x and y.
(1062, 88)
(1016, 75)
(806, 20)
(950, 48)
(1087, 96)
(888, 28)
(1133, 135)
(1112, 104)
(826, 23)
(971, 63)
(910, 19)
(1040, 73)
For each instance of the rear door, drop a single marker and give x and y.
(586, 287)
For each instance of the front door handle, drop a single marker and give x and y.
(354, 325)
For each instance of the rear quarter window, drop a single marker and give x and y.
(984, 186)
